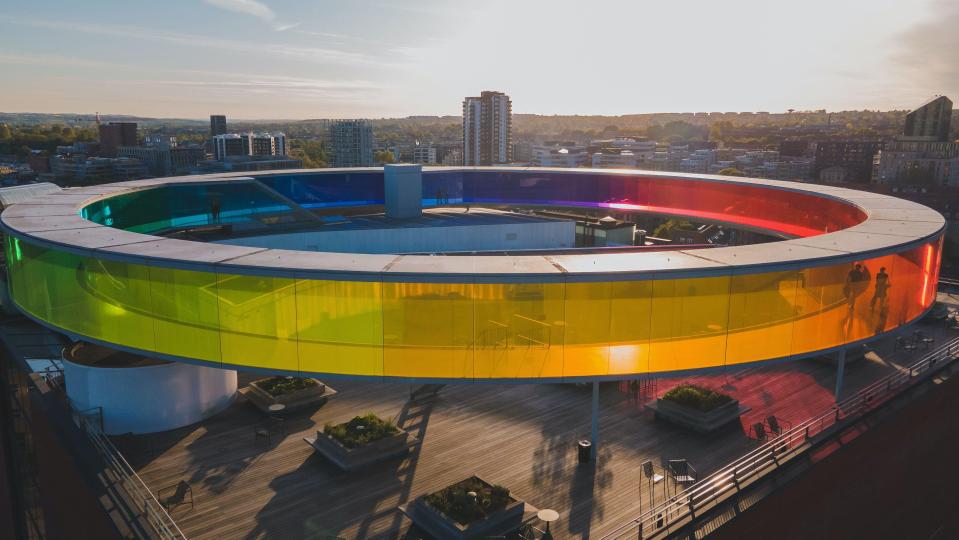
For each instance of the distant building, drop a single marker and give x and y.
(267, 144)
(164, 160)
(522, 152)
(930, 121)
(443, 149)
(919, 162)
(923, 155)
(79, 147)
(230, 144)
(616, 159)
(453, 157)
(249, 163)
(116, 134)
(425, 154)
(834, 175)
(163, 141)
(698, 161)
(96, 169)
(487, 129)
(249, 144)
(39, 161)
(351, 142)
(789, 169)
(217, 125)
(640, 148)
(854, 157)
(559, 154)
(794, 149)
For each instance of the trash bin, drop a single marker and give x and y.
(585, 448)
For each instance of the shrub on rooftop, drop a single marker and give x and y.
(697, 397)
(361, 430)
(469, 500)
(278, 386)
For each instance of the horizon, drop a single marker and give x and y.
(457, 117)
(263, 60)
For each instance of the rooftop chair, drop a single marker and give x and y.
(650, 472)
(682, 472)
(175, 495)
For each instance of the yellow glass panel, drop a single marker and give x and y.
(258, 321)
(762, 309)
(340, 326)
(427, 330)
(689, 323)
(630, 305)
(117, 305)
(519, 330)
(586, 351)
(187, 320)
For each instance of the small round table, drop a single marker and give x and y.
(276, 408)
(548, 516)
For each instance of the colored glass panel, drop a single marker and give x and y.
(340, 326)
(472, 330)
(519, 330)
(258, 321)
(427, 330)
(186, 311)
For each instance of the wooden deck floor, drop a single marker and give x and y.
(521, 436)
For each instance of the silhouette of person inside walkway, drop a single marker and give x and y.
(853, 286)
(882, 288)
(215, 209)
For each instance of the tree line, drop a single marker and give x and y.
(19, 140)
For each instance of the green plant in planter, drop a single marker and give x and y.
(469, 500)
(278, 386)
(697, 397)
(361, 430)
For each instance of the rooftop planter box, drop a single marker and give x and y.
(454, 512)
(697, 408)
(362, 441)
(292, 392)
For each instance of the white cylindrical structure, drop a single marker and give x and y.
(152, 398)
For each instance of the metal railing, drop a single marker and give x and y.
(146, 503)
(682, 508)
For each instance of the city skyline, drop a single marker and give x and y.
(274, 59)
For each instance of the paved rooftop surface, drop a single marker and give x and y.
(521, 436)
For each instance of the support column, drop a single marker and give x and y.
(840, 371)
(594, 434)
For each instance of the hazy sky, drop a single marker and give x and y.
(374, 58)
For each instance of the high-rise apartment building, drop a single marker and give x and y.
(487, 129)
(217, 125)
(116, 134)
(352, 143)
(930, 121)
